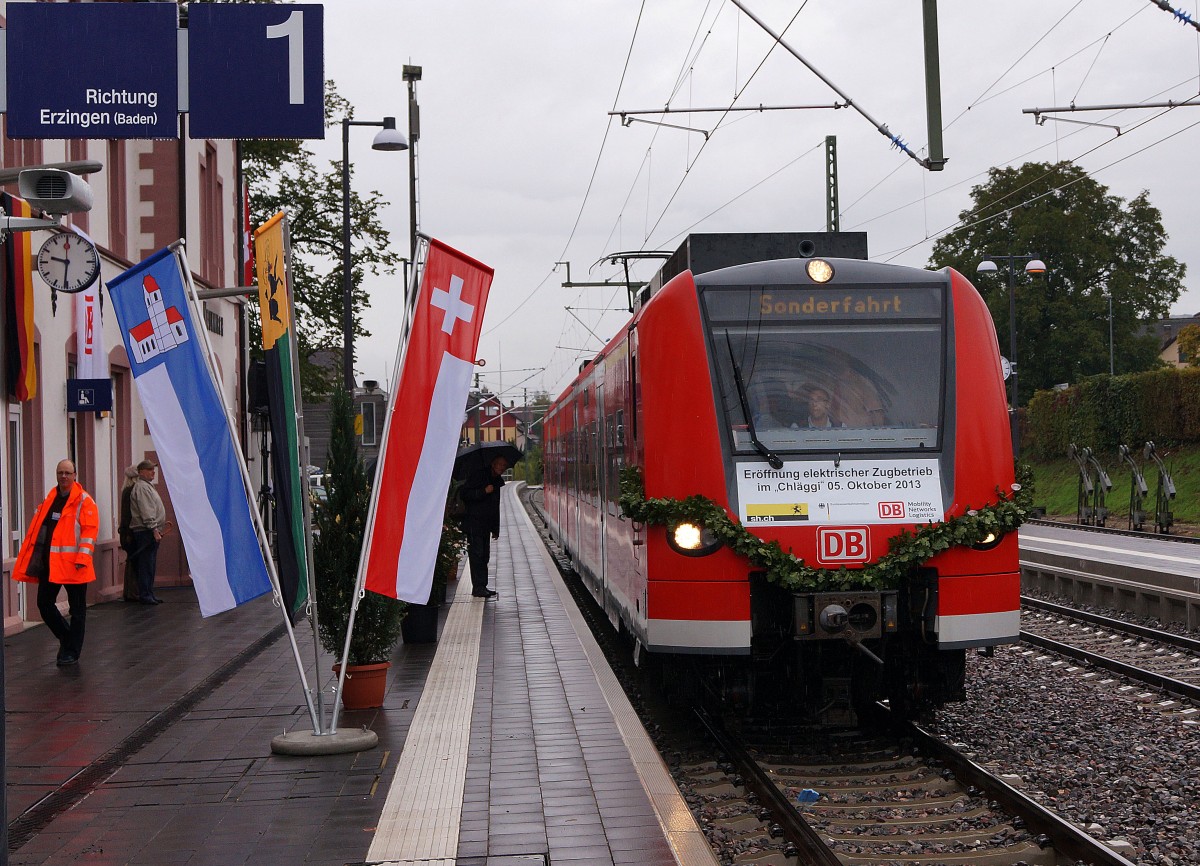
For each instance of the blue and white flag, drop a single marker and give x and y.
(187, 422)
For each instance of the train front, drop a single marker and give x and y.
(852, 403)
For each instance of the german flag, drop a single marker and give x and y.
(16, 283)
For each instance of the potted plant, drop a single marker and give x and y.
(341, 522)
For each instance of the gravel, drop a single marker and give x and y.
(1119, 766)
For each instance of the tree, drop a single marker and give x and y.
(1093, 244)
(283, 175)
(1189, 344)
(341, 524)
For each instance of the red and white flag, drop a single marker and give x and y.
(248, 274)
(91, 361)
(421, 433)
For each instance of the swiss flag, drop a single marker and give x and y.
(420, 436)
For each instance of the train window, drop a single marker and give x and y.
(839, 381)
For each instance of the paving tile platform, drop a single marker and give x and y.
(507, 743)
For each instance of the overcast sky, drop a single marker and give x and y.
(521, 166)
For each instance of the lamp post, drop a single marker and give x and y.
(412, 74)
(388, 138)
(1033, 265)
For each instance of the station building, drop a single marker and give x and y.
(147, 195)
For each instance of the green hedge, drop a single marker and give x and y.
(1102, 412)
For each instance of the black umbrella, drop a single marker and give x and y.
(480, 454)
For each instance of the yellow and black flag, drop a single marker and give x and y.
(272, 252)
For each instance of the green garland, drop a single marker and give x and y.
(906, 551)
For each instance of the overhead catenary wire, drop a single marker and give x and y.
(887, 257)
(882, 128)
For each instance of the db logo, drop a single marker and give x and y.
(891, 509)
(844, 544)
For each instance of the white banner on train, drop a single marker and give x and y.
(817, 492)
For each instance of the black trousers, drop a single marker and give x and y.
(145, 561)
(70, 637)
(479, 551)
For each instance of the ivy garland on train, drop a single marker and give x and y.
(906, 551)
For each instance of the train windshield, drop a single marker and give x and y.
(818, 369)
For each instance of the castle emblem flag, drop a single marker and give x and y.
(187, 422)
(421, 434)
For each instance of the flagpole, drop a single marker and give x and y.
(177, 249)
(359, 590)
(302, 461)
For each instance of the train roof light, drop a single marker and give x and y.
(819, 270)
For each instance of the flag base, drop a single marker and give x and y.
(337, 743)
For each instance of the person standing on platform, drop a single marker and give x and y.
(148, 522)
(481, 494)
(57, 552)
(125, 535)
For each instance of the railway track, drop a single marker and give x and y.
(1162, 660)
(904, 798)
(880, 799)
(1112, 530)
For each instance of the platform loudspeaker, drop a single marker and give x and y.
(257, 386)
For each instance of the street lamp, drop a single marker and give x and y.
(411, 75)
(388, 138)
(1033, 265)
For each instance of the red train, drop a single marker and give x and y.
(826, 404)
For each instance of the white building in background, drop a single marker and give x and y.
(148, 194)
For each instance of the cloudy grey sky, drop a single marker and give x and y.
(521, 167)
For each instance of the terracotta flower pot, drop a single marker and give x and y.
(365, 685)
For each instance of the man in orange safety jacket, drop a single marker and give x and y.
(57, 552)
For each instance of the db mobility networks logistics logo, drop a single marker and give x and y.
(891, 509)
(843, 544)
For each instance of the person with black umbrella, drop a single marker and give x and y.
(480, 493)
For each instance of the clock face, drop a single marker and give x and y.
(68, 262)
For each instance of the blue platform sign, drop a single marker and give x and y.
(92, 70)
(256, 70)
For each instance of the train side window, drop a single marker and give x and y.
(635, 396)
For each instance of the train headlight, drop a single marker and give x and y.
(992, 539)
(819, 270)
(691, 539)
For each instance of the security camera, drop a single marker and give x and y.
(54, 191)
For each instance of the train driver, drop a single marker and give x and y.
(819, 402)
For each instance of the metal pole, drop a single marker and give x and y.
(1110, 336)
(933, 86)
(347, 286)
(411, 75)
(1012, 351)
(177, 248)
(360, 579)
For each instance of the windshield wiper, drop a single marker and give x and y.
(771, 456)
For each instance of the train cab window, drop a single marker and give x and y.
(843, 369)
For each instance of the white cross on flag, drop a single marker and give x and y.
(420, 437)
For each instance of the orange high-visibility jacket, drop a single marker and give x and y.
(73, 542)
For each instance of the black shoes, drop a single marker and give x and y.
(484, 593)
(66, 658)
(150, 600)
